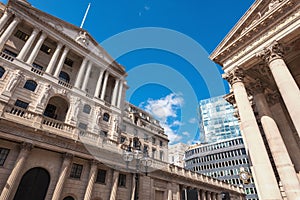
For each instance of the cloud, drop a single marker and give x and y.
(147, 7)
(193, 120)
(185, 133)
(173, 137)
(177, 123)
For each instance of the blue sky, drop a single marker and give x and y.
(164, 46)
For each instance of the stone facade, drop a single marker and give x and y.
(62, 110)
(260, 57)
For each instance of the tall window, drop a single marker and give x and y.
(106, 117)
(87, 109)
(64, 77)
(2, 71)
(50, 111)
(122, 180)
(76, 171)
(3, 155)
(21, 104)
(101, 176)
(30, 85)
(161, 155)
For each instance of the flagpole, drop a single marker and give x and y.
(86, 12)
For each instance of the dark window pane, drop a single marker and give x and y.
(69, 62)
(3, 155)
(50, 111)
(45, 49)
(21, 35)
(21, 104)
(87, 109)
(13, 54)
(76, 171)
(101, 176)
(106, 117)
(122, 180)
(2, 71)
(64, 77)
(30, 85)
(37, 66)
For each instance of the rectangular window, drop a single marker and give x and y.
(161, 155)
(160, 143)
(21, 104)
(153, 140)
(46, 49)
(122, 139)
(21, 35)
(153, 152)
(69, 62)
(122, 180)
(76, 171)
(101, 176)
(37, 66)
(82, 126)
(3, 155)
(9, 52)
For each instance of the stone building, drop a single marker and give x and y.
(176, 153)
(260, 57)
(61, 110)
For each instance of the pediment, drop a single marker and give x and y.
(255, 15)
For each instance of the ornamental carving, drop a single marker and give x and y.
(272, 52)
(256, 87)
(235, 75)
(82, 38)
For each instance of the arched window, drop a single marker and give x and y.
(30, 85)
(106, 117)
(2, 71)
(64, 77)
(69, 198)
(87, 109)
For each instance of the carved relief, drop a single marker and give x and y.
(74, 109)
(44, 96)
(82, 38)
(235, 75)
(272, 52)
(13, 81)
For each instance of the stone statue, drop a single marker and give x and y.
(98, 114)
(45, 95)
(82, 38)
(15, 77)
(74, 109)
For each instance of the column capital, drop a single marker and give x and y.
(68, 156)
(26, 146)
(274, 51)
(235, 75)
(256, 87)
(273, 98)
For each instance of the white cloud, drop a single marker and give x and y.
(193, 120)
(177, 123)
(186, 133)
(173, 137)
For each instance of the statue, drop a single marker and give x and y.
(82, 38)
(13, 81)
(74, 109)
(45, 95)
(98, 114)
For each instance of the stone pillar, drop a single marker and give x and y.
(87, 76)
(133, 187)
(28, 44)
(279, 152)
(120, 94)
(81, 73)
(115, 92)
(286, 84)
(185, 194)
(208, 196)
(61, 62)
(91, 181)
(4, 18)
(113, 193)
(54, 58)
(62, 176)
(262, 169)
(203, 197)
(178, 193)
(15, 174)
(36, 49)
(7, 33)
(104, 85)
(170, 194)
(99, 82)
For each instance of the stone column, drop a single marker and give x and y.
(81, 72)
(28, 44)
(15, 174)
(4, 18)
(185, 194)
(87, 76)
(170, 194)
(62, 176)
(279, 152)
(99, 82)
(133, 187)
(114, 97)
(113, 193)
(262, 169)
(208, 197)
(203, 197)
(104, 85)
(61, 62)
(36, 49)
(286, 84)
(120, 94)
(91, 180)
(7, 33)
(54, 58)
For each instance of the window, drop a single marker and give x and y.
(30, 85)
(50, 111)
(2, 71)
(153, 152)
(13, 54)
(122, 139)
(21, 35)
(3, 155)
(69, 62)
(87, 109)
(106, 117)
(101, 176)
(76, 171)
(153, 140)
(161, 155)
(37, 66)
(103, 133)
(160, 143)
(145, 149)
(64, 77)
(82, 126)
(122, 180)
(46, 49)
(21, 104)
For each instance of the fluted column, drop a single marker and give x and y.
(279, 152)
(91, 181)
(36, 49)
(99, 82)
(4, 18)
(15, 174)
(120, 94)
(81, 72)
(262, 169)
(62, 176)
(286, 84)
(8, 31)
(54, 58)
(113, 193)
(61, 62)
(87, 76)
(104, 85)
(28, 44)
(115, 92)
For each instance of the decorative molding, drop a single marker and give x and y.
(272, 52)
(234, 76)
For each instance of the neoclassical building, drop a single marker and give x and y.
(261, 57)
(66, 132)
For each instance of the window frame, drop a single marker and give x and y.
(76, 171)
(2, 70)
(100, 179)
(3, 155)
(28, 84)
(19, 103)
(122, 180)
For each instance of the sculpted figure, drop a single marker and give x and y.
(13, 81)
(44, 95)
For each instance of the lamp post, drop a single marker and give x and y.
(141, 158)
